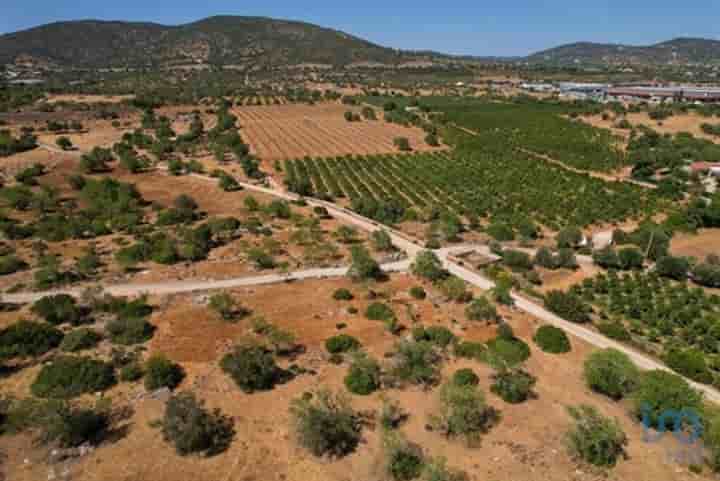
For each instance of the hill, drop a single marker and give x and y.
(678, 51)
(225, 40)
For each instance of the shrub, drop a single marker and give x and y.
(437, 470)
(659, 392)
(403, 460)
(594, 438)
(465, 377)
(417, 292)
(610, 372)
(58, 309)
(439, 336)
(402, 143)
(463, 412)
(131, 372)
(72, 427)
(481, 309)
(517, 260)
(363, 266)
(428, 266)
(226, 307)
(471, 350)
(79, 340)
(252, 368)
(193, 429)
(569, 237)
(377, 311)
(343, 295)
(416, 362)
(672, 267)
(341, 343)
(10, 264)
(569, 306)
(507, 352)
(325, 424)
(690, 363)
(614, 330)
(513, 385)
(160, 372)
(455, 289)
(68, 377)
(552, 339)
(363, 378)
(130, 331)
(28, 339)
(500, 232)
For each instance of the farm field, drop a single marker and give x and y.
(677, 123)
(295, 131)
(521, 445)
(706, 242)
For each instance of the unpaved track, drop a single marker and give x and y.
(412, 248)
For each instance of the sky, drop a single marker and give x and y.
(502, 28)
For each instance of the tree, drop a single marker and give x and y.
(224, 304)
(363, 377)
(160, 372)
(630, 258)
(402, 144)
(363, 266)
(513, 385)
(569, 306)
(659, 392)
(569, 237)
(428, 266)
(64, 143)
(382, 241)
(610, 372)
(193, 429)
(552, 339)
(481, 309)
(673, 267)
(463, 412)
(69, 377)
(252, 368)
(325, 424)
(595, 439)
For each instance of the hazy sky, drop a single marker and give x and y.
(477, 27)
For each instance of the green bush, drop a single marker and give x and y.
(79, 340)
(10, 264)
(377, 311)
(517, 260)
(343, 295)
(59, 309)
(428, 266)
(481, 309)
(417, 292)
(471, 350)
(513, 385)
(416, 362)
(325, 424)
(568, 306)
(160, 372)
(131, 372)
(363, 378)
(465, 377)
(28, 339)
(610, 372)
(226, 306)
(252, 368)
(500, 232)
(507, 352)
(594, 438)
(193, 429)
(439, 336)
(659, 392)
(404, 461)
(72, 427)
(363, 266)
(341, 343)
(690, 363)
(68, 377)
(552, 339)
(614, 330)
(129, 331)
(463, 412)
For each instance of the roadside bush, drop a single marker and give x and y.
(465, 377)
(552, 339)
(689, 363)
(160, 372)
(568, 306)
(341, 343)
(614, 330)
(193, 429)
(252, 368)
(377, 311)
(513, 385)
(463, 413)
(595, 439)
(428, 266)
(570, 237)
(404, 461)
(28, 339)
(343, 295)
(517, 260)
(363, 378)
(455, 289)
(59, 309)
(226, 307)
(129, 331)
(500, 232)
(69, 377)
(481, 309)
(79, 340)
(325, 424)
(610, 372)
(659, 392)
(363, 266)
(416, 363)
